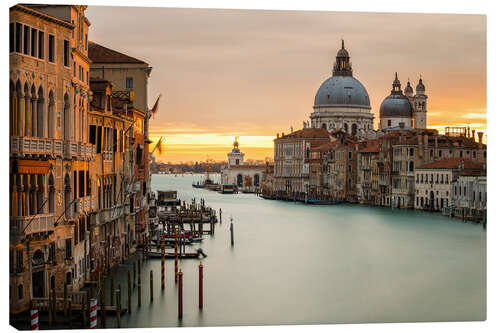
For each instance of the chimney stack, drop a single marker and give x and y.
(474, 135)
(480, 137)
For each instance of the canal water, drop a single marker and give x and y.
(303, 264)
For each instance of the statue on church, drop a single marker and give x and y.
(235, 143)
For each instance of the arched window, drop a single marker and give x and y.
(256, 180)
(40, 113)
(67, 195)
(26, 112)
(239, 180)
(32, 112)
(19, 102)
(51, 117)
(13, 109)
(40, 194)
(52, 194)
(354, 129)
(20, 291)
(67, 118)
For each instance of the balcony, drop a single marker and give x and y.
(25, 225)
(24, 145)
(83, 205)
(109, 214)
(86, 151)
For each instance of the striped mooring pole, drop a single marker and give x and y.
(34, 319)
(163, 261)
(93, 313)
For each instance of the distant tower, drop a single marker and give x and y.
(235, 157)
(420, 106)
(409, 95)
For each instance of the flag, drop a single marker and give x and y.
(155, 107)
(158, 147)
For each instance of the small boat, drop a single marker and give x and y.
(228, 189)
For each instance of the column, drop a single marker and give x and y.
(27, 116)
(20, 115)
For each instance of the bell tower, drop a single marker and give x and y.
(235, 157)
(420, 106)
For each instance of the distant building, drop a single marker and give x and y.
(434, 181)
(469, 194)
(292, 153)
(247, 177)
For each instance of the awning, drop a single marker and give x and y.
(30, 167)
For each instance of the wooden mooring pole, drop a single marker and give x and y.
(200, 286)
(133, 281)
(232, 233)
(176, 258)
(54, 310)
(163, 262)
(65, 295)
(179, 298)
(70, 314)
(151, 286)
(220, 215)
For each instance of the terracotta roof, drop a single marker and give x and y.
(452, 163)
(308, 133)
(103, 55)
(372, 146)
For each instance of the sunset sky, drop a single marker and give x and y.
(249, 73)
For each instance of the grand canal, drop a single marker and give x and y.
(298, 264)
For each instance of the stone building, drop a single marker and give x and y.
(247, 177)
(50, 156)
(342, 101)
(469, 194)
(291, 160)
(109, 128)
(368, 163)
(434, 181)
(129, 77)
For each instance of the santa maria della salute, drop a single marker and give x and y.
(342, 103)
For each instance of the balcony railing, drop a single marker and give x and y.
(25, 225)
(24, 145)
(109, 214)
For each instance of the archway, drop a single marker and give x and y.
(38, 274)
(431, 200)
(239, 180)
(354, 129)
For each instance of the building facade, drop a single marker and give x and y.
(50, 156)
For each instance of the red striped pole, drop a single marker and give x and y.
(34, 320)
(176, 259)
(93, 313)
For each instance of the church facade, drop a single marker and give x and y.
(247, 177)
(342, 101)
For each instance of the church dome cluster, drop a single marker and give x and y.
(397, 104)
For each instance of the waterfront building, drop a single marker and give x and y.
(434, 181)
(129, 77)
(342, 101)
(368, 163)
(291, 160)
(237, 172)
(50, 156)
(109, 126)
(469, 195)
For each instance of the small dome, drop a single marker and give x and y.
(408, 89)
(342, 91)
(420, 86)
(395, 106)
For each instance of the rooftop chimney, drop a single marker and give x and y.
(474, 135)
(480, 137)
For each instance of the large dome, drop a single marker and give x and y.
(395, 106)
(343, 91)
